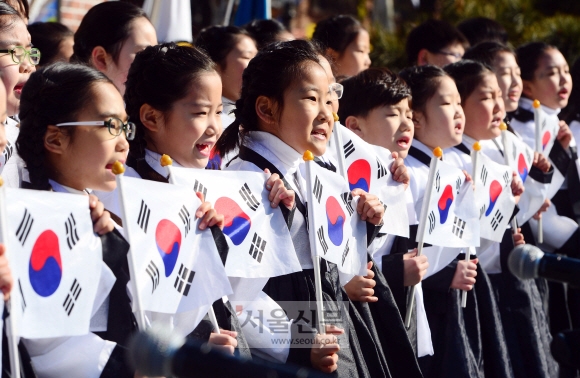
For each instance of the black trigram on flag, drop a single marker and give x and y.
(483, 175)
(348, 149)
(23, 302)
(381, 170)
(322, 240)
(257, 248)
(515, 152)
(249, 198)
(437, 181)
(317, 191)
(458, 185)
(72, 296)
(431, 219)
(72, 237)
(24, 227)
(345, 252)
(496, 220)
(458, 227)
(183, 280)
(347, 198)
(482, 211)
(528, 155)
(153, 273)
(8, 151)
(185, 218)
(143, 218)
(506, 178)
(198, 187)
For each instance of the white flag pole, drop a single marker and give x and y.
(337, 141)
(474, 161)
(309, 160)
(11, 333)
(118, 170)
(437, 154)
(509, 163)
(538, 129)
(167, 162)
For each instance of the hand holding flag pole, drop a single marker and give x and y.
(538, 135)
(167, 163)
(309, 160)
(118, 170)
(337, 141)
(437, 154)
(10, 324)
(509, 163)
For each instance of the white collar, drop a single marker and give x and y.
(527, 104)
(422, 147)
(286, 156)
(66, 189)
(468, 141)
(154, 161)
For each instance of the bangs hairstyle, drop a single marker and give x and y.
(107, 25)
(269, 74)
(482, 29)
(218, 41)
(47, 37)
(53, 94)
(370, 89)
(265, 32)
(423, 81)
(486, 52)
(160, 76)
(337, 32)
(7, 23)
(432, 35)
(467, 74)
(528, 57)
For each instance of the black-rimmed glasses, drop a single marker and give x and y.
(115, 126)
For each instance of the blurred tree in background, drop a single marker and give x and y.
(553, 21)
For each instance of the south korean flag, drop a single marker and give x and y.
(494, 197)
(452, 217)
(56, 261)
(339, 233)
(177, 265)
(367, 168)
(549, 127)
(259, 242)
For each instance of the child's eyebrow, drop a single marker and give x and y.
(111, 115)
(9, 43)
(308, 89)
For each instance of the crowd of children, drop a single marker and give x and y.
(260, 100)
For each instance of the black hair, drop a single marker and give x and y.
(486, 52)
(23, 7)
(265, 32)
(337, 32)
(7, 23)
(218, 41)
(159, 76)
(467, 74)
(432, 35)
(107, 25)
(423, 81)
(269, 74)
(370, 89)
(572, 111)
(53, 94)
(47, 37)
(528, 57)
(482, 29)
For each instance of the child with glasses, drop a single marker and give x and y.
(435, 42)
(17, 61)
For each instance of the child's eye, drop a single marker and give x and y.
(311, 98)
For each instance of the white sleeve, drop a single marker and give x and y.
(77, 356)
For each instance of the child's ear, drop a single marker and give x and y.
(266, 110)
(100, 58)
(332, 53)
(54, 140)
(352, 123)
(150, 117)
(527, 89)
(418, 119)
(422, 57)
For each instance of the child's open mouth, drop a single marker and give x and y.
(319, 134)
(204, 149)
(403, 142)
(18, 88)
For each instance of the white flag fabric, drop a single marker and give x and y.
(519, 156)
(178, 266)
(339, 232)
(494, 197)
(257, 234)
(452, 213)
(367, 168)
(549, 126)
(171, 19)
(56, 262)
